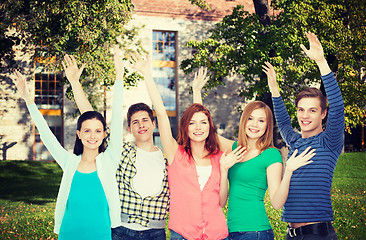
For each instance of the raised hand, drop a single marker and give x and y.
(315, 51)
(118, 61)
(141, 63)
(72, 71)
(22, 87)
(295, 162)
(228, 160)
(200, 79)
(271, 75)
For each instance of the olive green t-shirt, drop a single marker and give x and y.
(247, 187)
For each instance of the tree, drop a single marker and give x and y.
(237, 45)
(83, 28)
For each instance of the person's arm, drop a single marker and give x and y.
(73, 74)
(48, 138)
(170, 145)
(277, 188)
(116, 133)
(226, 162)
(282, 117)
(199, 81)
(335, 121)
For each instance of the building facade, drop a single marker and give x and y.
(166, 27)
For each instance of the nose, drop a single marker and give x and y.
(93, 134)
(141, 125)
(198, 126)
(305, 114)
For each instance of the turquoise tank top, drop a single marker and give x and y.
(87, 214)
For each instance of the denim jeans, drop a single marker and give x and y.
(177, 236)
(122, 233)
(252, 235)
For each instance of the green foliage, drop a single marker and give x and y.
(239, 44)
(200, 3)
(85, 29)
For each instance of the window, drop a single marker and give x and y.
(49, 100)
(164, 70)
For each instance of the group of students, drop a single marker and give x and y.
(126, 190)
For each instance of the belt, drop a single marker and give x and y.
(152, 223)
(321, 229)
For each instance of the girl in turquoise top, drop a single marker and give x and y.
(88, 202)
(260, 168)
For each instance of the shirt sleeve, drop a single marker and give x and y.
(283, 120)
(235, 145)
(335, 122)
(116, 134)
(272, 156)
(48, 138)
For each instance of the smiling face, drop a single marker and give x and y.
(91, 134)
(141, 126)
(310, 116)
(257, 124)
(199, 127)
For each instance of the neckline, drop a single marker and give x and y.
(87, 172)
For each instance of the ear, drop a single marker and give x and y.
(78, 133)
(153, 123)
(105, 133)
(324, 113)
(129, 129)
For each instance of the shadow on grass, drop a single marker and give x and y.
(29, 181)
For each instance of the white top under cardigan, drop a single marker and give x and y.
(106, 162)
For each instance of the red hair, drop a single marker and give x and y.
(212, 141)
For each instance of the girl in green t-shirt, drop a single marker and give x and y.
(261, 168)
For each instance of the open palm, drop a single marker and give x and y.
(315, 51)
(72, 71)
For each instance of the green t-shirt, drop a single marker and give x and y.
(247, 187)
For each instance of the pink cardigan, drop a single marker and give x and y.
(193, 213)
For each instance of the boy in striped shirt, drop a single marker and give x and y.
(308, 209)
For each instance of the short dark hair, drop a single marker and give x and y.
(137, 107)
(79, 147)
(312, 92)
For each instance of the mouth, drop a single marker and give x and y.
(253, 130)
(142, 131)
(305, 123)
(198, 133)
(92, 141)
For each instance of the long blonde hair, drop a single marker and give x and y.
(265, 141)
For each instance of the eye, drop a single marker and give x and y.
(87, 130)
(191, 123)
(262, 121)
(204, 122)
(250, 118)
(300, 110)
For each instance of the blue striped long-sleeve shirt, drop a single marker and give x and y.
(309, 194)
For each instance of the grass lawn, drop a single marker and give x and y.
(28, 191)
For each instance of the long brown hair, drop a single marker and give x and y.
(212, 141)
(264, 141)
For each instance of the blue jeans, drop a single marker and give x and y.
(252, 235)
(177, 236)
(122, 233)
